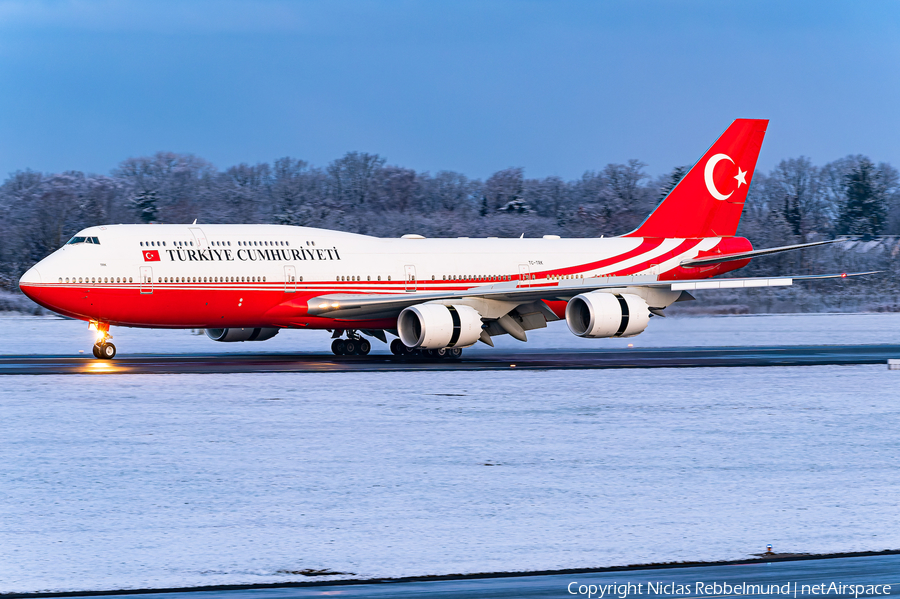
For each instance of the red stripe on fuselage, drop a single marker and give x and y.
(684, 246)
(647, 245)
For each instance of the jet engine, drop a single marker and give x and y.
(249, 334)
(436, 326)
(598, 314)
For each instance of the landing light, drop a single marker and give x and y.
(335, 305)
(323, 306)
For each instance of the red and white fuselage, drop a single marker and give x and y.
(220, 276)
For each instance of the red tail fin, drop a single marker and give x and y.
(708, 201)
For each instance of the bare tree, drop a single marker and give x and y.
(351, 177)
(503, 187)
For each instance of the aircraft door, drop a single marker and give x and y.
(146, 279)
(199, 237)
(524, 274)
(290, 279)
(410, 277)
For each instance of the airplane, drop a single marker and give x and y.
(436, 296)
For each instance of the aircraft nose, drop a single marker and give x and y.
(30, 283)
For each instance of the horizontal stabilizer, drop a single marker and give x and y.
(752, 254)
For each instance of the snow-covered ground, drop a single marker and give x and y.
(178, 480)
(56, 336)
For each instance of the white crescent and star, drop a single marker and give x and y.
(741, 177)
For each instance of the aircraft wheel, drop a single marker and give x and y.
(441, 353)
(364, 347)
(337, 347)
(350, 347)
(397, 348)
(107, 351)
(454, 352)
(96, 352)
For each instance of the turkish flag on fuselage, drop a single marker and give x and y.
(151, 255)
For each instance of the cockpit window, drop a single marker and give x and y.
(75, 240)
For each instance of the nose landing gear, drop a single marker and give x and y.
(103, 348)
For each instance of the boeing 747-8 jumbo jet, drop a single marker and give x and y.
(247, 282)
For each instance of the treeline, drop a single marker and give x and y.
(359, 192)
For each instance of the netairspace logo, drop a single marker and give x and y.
(701, 589)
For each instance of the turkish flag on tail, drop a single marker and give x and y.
(708, 201)
(151, 255)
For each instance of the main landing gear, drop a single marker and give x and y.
(353, 345)
(402, 351)
(357, 345)
(103, 348)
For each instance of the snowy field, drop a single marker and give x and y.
(56, 336)
(180, 480)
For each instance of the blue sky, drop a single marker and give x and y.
(555, 87)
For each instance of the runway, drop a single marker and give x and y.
(867, 571)
(677, 357)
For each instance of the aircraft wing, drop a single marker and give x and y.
(350, 306)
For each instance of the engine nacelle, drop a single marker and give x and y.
(598, 314)
(229, 335)
(436, 326)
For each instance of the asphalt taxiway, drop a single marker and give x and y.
(868, 576)
(669, 357)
